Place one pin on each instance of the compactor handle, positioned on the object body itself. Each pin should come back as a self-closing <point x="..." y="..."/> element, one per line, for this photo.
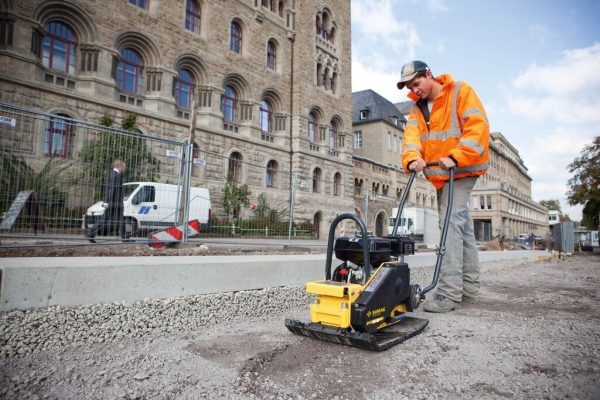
<point x="442" y="249"/>
<point x="365" y="249"/>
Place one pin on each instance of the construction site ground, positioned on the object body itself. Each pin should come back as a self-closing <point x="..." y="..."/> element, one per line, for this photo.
<point x="534" y="333"/>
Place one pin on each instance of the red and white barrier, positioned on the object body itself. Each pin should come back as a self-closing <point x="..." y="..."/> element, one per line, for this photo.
<point x="173" y="234"/>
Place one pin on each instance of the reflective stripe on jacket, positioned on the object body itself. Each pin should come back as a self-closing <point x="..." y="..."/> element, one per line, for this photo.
<point x="458" y="127"/>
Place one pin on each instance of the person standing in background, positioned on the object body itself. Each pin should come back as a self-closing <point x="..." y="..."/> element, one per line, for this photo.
<point x="112" y="203"/>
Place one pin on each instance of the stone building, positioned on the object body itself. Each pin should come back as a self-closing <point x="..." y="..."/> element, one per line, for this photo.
<point x="501" y="202"/>
<point x="270" y="81"/>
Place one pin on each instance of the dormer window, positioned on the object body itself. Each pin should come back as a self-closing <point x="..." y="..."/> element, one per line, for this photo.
<point x="364" y="114"/>
<point x="394" y="119"/>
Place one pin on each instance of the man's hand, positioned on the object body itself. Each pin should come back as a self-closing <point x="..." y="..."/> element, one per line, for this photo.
<point x="446" y="163"/>
<point x="417" y="165"/>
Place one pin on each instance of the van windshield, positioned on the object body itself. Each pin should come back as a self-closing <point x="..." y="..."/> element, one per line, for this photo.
<point x="128" y="189"/>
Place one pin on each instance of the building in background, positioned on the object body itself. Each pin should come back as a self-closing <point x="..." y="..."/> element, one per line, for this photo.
<point x="270" y="79"/>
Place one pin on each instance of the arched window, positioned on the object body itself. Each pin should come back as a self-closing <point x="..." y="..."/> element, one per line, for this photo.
<point x="316" y="180"/>
<point x="60" y="44"/>
<point x="319" y="74"/>
<point x="266" y="117"/>
<point x="192" y="16"/>
<point x="337" y="184"/>
<point x="59" y="137"/>
<point x="235" y="41"/>
<point x="271" y="55"/>
<point x="184" y="88"/>
<point x="332" y="140"/>
<point x="235" y="167"/>
<point x="312" y="126"/>
<point x="229" y="104"/>
<point x="129" y="72"/>
<point x="272" y="168"/>
<point x="334" y="79"/>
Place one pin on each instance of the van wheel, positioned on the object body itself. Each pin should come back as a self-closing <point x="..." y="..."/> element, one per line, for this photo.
<point x="130" y="226"/>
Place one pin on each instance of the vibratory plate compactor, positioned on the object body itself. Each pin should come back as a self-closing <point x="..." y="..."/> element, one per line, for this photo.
<point x="365" y="301"/>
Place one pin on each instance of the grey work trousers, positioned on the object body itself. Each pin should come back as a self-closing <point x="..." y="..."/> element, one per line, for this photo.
<point x="459" y="273"/>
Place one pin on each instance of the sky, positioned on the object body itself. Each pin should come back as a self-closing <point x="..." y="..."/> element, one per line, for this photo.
<point x="535" y="65"/>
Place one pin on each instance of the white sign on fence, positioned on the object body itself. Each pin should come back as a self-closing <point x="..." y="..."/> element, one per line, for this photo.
<point x="198" y="161"/>
<point x="8" y="121"/>
<point x="172" y="154"/>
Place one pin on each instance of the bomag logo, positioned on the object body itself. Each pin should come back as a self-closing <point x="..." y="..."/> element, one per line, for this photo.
<point x="375" y="312"/>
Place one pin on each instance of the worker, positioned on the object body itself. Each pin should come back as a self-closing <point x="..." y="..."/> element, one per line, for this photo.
<point x="448" y="125"/>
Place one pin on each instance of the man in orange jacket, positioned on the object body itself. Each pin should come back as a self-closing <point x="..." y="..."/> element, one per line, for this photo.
<point x="448" y="125"/>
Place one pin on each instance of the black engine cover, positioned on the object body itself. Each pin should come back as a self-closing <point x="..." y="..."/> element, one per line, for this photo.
<point x="389" y="288"/>
<point x="351" y="249"/>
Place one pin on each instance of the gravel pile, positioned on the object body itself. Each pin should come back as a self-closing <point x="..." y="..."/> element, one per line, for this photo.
<point x="26" y="332"/>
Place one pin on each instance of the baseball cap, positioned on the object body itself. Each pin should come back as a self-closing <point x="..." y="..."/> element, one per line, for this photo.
<point x="410" y="70"/>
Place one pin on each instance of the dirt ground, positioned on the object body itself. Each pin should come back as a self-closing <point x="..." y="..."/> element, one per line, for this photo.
<point x="118" y="249"/>
<point x="533" y="334"/>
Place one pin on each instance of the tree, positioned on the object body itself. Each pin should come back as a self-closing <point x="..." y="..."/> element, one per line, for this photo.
<point x="234" y="197"/>
<point x="551" y="205"/>
<point x="98" y="154"/>
<point x="584" y="186"/>
<point x="50" y="185"/>
<point x="264" y="212"/>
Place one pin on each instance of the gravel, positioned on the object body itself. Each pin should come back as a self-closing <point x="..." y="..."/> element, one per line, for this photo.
<point x="534" y="333"/>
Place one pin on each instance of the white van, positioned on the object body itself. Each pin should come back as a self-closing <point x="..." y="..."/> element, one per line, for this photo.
<point x="151" y="205"/>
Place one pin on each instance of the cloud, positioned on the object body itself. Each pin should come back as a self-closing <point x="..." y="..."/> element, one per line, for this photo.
<point x="371" y="77"/>
<point x="377" y="33"/>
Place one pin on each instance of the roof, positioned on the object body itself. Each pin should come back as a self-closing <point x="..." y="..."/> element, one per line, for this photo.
<point x="404" y="107"/>
<point x="378" y="107"/>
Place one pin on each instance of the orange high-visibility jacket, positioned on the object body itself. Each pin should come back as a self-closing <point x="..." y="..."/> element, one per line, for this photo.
<point x="458" y="127"/>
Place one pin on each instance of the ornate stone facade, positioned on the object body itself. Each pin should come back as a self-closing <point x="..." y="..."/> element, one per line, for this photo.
<point x="294" y="56"/>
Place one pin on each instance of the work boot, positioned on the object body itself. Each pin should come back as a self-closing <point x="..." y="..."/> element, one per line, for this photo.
<point x="469" y="299"/>
<point x="439" y="304"/>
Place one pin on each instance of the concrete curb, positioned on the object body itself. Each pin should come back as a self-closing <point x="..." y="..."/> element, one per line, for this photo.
<point x="42" y="282"/>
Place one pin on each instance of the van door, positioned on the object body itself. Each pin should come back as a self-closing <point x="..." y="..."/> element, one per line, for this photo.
<point x="144" y="206"/>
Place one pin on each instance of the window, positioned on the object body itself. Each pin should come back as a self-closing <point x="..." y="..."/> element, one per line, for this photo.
<point x="280" y="8"/>
<point x="394" y="119"/>
<point x="184" y="88"/>
<point x="60" y="44"/>
<point x="59" y="137"/>
<point x="312" y="126"/>
<point x="337" y="184"/>
<point x="266" y="116"/>
<point x="271" y="55"/>
<point x="333" y="135"/>
<point x="229" y="104"/>
<point x="390" y="141"/>
<point x="475" y="202"/>
<point x="364" y="114"/>
<point x="358" y="140"/>
<point x="481" y="202"/>
<point x="146" y="194"/>
<point x="140" y="3"/>
<point x="235" y="167"/>
<point x="316" y="180"/>
<point x="334" y="79"/>
<point x="489" y="201"/>
<point x="235" y="41"/>
<point x="192" y="16"/>
<point x="319" y="74"/>
<point x="129" y="72"/>
<point x="271" y="173"/>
